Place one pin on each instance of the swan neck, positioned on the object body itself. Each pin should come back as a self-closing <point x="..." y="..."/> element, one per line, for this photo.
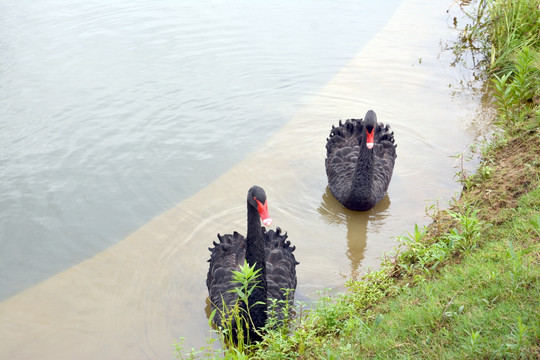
<point x="255" y="254"/>
<point x="255" y="240"/>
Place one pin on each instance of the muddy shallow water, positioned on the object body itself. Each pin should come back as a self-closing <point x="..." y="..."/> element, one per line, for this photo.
<point x="134" y="298"/>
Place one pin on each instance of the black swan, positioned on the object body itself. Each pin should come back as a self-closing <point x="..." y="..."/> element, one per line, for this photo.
<point x="360" y="156"/>
<point x="270" y="251"/>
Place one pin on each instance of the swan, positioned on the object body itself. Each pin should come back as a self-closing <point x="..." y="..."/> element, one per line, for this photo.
<point x="270" y="251"/>
<point x="360" y="156"/>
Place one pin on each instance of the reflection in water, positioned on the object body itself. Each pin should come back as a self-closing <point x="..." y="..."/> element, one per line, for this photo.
<point x="208" y="312"/>
<point x="356" y="222"/>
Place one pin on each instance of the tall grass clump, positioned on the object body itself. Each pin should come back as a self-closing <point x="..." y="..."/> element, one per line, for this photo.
<point x="516" y="92"/>
<point x="499" y="29"/>
<point x="511" y="25"/>
<point x="505" y="34"/>
<point x="233" y="332"/>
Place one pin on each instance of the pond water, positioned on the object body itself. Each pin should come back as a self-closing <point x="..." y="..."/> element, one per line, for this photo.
<point x="130" y="133"/>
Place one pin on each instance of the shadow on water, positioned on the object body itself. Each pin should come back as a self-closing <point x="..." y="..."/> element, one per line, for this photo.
<point x="357" y="223"/>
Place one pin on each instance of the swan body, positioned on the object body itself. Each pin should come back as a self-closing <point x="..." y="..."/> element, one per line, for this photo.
<point x="360" y="156"/>
<point x="270" y="251"/>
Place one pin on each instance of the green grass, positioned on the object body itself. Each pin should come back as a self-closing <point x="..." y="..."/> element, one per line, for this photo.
<point x="499" y="29"/>
<point x="515" y="91"/>
<point x="484" y="306"/>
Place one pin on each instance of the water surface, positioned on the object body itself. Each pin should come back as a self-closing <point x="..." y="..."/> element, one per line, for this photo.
<point x="114" y="112"/>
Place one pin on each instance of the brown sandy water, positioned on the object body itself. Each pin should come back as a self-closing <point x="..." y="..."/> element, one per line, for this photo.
<point x="135" y="298"/>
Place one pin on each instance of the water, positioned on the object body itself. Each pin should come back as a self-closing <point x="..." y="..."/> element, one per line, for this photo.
<point x="115" y="114"/>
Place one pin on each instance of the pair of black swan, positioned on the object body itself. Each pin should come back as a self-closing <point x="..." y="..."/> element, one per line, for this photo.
<point x="359" y="165"/>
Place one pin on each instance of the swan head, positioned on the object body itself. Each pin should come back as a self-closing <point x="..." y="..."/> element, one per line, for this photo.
<point x="257" y="199"/>
<point x="370" y="123"/>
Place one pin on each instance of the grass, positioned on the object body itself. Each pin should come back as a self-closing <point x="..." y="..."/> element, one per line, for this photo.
<point x="498" y="30"/>
<point x="467" y="285"/>
<point x="515" y="91"/>
<point x="483" y="305"/>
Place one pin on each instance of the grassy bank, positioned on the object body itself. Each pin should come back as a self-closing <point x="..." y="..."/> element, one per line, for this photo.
<point x="466" y="286"/>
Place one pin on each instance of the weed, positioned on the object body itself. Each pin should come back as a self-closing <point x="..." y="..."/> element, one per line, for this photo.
<point x="452" y="311"/>
<point x="515" y="89"/>
<point x="516" y="337"/>
<point x="206" y="351"/>
<point x="535" y="223"/>
<point x="505" y="99"/>
<point x="471" y="229"/>
<point x="414" y="248"/>
<point x="426" y="257"/>
<point x="233" y="333"/>
<point x="471" y="343"/>
<point x="236" y="319"/>
<point x="518" y="270"/>
<point x="499" y="29"/>
<point x="463" y="175"/>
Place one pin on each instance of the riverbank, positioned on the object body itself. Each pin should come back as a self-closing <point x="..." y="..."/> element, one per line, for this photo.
<point x="466" y="286"/>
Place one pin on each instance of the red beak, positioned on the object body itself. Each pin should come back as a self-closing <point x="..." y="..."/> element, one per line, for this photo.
<point x="263" y="212"/>
<point x="369" y="140"/>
